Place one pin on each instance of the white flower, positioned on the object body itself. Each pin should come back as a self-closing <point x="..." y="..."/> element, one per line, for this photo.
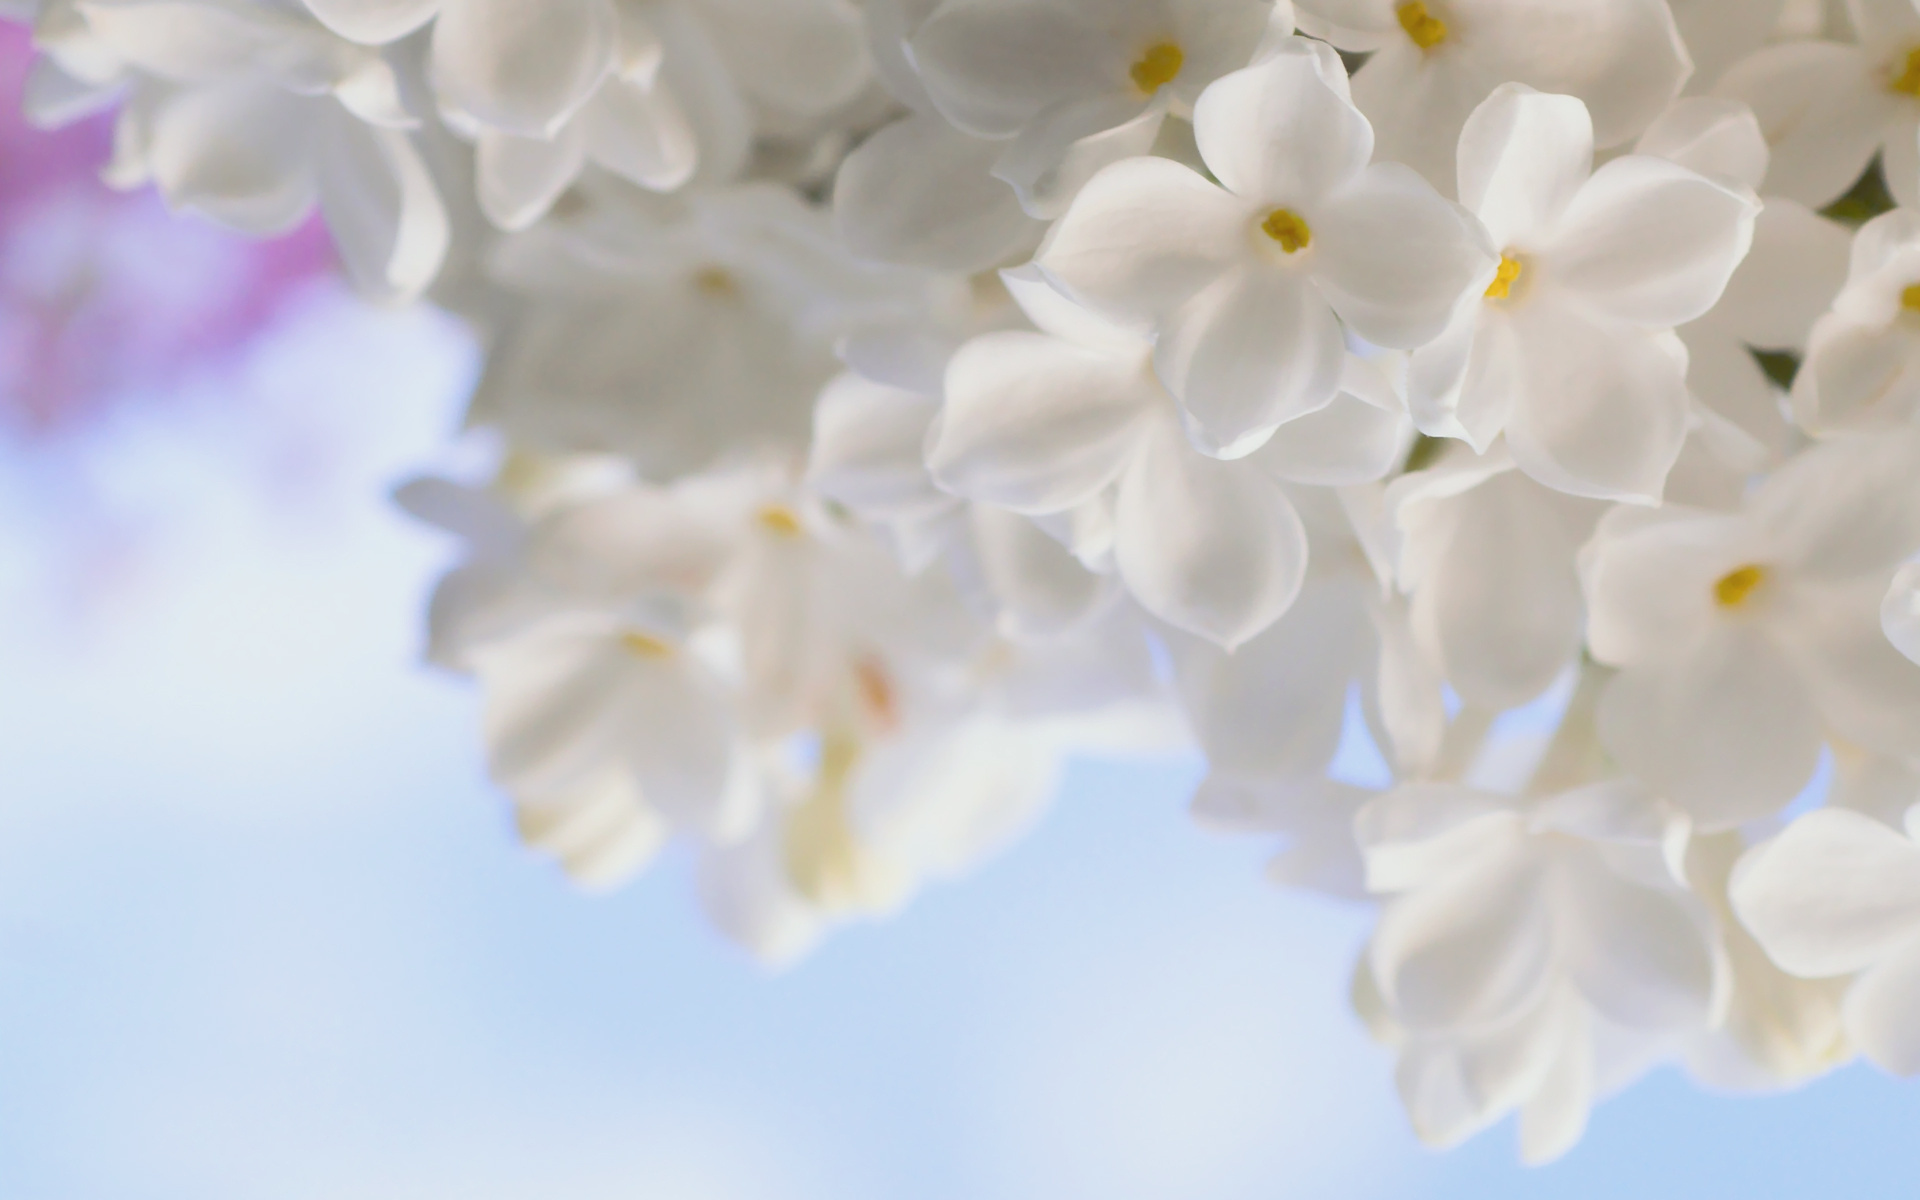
<point x="1862" y="371"/>
<point x="919" y="191"/>
<point x="1778" y="1029"/>
<point x="868" y="454"/>
<point x="1433" y="61"/>
<point x="1743" y="637"/>
<point x="1076" y="84"/>
<point x="252" y="115"/>
<point x="1789" y="277"/>
<point x="1247" y="286"/>
<point x="1828" y="107"/>
<point x="1043" y="423"/>
<point x="647" y="89"/>
<point x="581" y="701"/>
<point x="672" y="330"/>
<point x="1487" y="557"/>
<point x="1570" y="352"/>
<point x="1514" y="930"/>
<point x="1839" y="893"/>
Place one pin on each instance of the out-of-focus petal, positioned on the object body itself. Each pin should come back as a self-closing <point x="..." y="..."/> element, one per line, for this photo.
<point x="1035" y="424"/>
<point x="1726" y="731"/>
<point x="1213" y="548"/>
<point x="1835" y="892"/>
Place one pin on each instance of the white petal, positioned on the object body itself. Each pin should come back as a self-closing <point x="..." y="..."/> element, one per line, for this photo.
<point x="1881" y="24"/>
<point x="803" y="57"/>
<point x="1857" y="378"/>
<point x="522" y="66"/>
<point x="1053" y="313"/>
<point x="676" y="727"/>
<point x="1868" y="692"/>
<point x="1068" y="144"/>
<point x="1273" y="709"/>
<point x="1501" y="610"/>
<point x="1642" y="957"/>
<point x="518" y="179"/>
<point x="1258" y="348"/>
<point x="1523" y="158"/>
<point x="992" y="66"/>
<point x="1042" y="589"/>
<point x="1881" y="1013"/>
<point x="601" y="834"/>
<point x="236" y="153"/>
<point x="1725" y="730"/>
<point x="1649" y="580"/>
<point x="1717" y="136"/>
<point x="382" y="207"/>
<point x="1844" y="509"/>
<point x="1650" y="242"/>
<point x="373" y="22"/>
<point x="1143" y="236"/>
<point x="1554" y="1117"/>
<point x="921" y="193"/>
<point x="1821" y="110"/>
<point x="1035" y="424"/>
<point x="1355" y="439"/>
<point x="1394" y="259"/>
<point x="867" y="450"/>
<point x="1603" y="412"/>
<point x="1418" y="103"/>
<point x="1472" y="949"/>
<point x="1834" y="893"/>
<point x="1277" y="134"/>
<point x="1213" y="548"/>
<point x="639" y="133"/>
<point x="1626" y="61"/>
<point x="1794" y="270"/>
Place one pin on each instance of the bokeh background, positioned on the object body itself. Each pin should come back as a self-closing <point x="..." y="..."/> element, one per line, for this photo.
<point x="265" y="934"/>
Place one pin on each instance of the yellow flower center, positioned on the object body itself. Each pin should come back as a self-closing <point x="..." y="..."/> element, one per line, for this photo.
<point x="1426" y="30"/>
<point x="642" y="645"/>
<point x="1157" y="67"/>
<point x="781" y="520"/>
<point x="1733" y="588"/>
<point x="1504" y="278"/>
<point x="824" y="857"/>
<point x="1908" y="80"/>
<point x="717" y="282"/>
<point x="1910" y="298"/>
<point x="1288" y="229"/>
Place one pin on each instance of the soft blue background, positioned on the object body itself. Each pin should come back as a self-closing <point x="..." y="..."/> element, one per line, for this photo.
<point x="264" y="933"/>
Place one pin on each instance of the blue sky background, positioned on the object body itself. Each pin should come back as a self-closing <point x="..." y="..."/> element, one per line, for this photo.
<point x="264" y="933"/>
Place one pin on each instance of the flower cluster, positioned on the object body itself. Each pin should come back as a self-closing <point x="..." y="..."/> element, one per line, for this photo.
<point x="897" y="397"/>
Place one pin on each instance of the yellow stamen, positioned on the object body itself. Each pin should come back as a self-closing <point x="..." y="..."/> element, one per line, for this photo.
<point x="1908" y="80"/>
<point x="778" y="518"/>
<point x="1157" y="67"/>
<point x="1288" y="229"/>
<point x="1426" y="30"/>
<point x="717" y="282"/>
<point x="1733" y="588"/>
<point x="1910" y="298"/>
<point x="824" y="857"/>
<point x="1504" y="278"/>
<point x="642" y="645"/>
